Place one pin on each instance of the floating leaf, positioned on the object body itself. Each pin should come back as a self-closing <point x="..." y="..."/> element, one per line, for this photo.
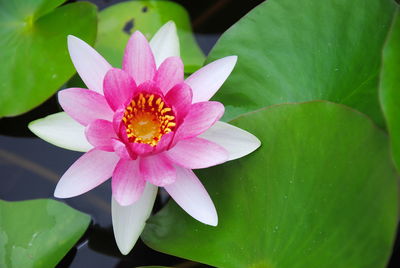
<point x="38" y="233"/>
<point x="320" y="192"/>
<point x="118" y="22"/>
<point x="293" y="51"/>
<point x="390" y="88"/>
<point x="33" y="49"/>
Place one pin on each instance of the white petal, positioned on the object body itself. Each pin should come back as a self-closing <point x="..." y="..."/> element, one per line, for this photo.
<point x="236" y="141"/>
<point x="89" y="64"/>
<point x="189" y="193"/>
<point x="61" y="130"/>
<point x="165" y="43"/>
<point x="206" y="81"/>
<point x="129" y="221"/>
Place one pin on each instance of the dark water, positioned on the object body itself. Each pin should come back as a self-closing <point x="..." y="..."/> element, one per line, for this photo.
<point x="30" y="167"/>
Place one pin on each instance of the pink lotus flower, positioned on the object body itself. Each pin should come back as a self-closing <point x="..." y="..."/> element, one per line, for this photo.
<point x="146" y="127"/>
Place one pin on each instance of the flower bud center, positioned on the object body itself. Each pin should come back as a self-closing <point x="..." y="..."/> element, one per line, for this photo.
<point x="147" y="119"/>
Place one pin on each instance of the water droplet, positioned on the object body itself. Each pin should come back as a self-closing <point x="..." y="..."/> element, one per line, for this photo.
<point x="32" y="239"/>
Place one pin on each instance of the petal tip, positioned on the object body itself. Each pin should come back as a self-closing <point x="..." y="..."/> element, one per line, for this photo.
<point x="170" y="22"/>
<point x="124" y="251"/>
<point x="124" y="247"/>
<point x="232" y="59"/>
<point x="137" y="34"/>
<point x="171" y="25"/>
<point x="72" y="41"/>
<point x="32" y="126"/>
<point x="257" y="142"/>
<point x="70" y="38"/>
<point x="63" y="192"/>
<point x="59" y="94"/>
<point x="60" y="194"/>
<point x="213" y="222"/>
<point x="211" y="219"/>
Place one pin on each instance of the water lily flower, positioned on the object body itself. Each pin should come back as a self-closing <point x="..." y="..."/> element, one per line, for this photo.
<point x="146" y="127"/>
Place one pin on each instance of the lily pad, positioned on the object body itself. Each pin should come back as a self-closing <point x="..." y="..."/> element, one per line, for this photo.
<point x="390" y="88"/>
<point x="118" y="22"/>
<point x="38" y="233"/>
<point x="33" y="49"/>
<point x="294" y="51"/>
<point x="321" y="191"/>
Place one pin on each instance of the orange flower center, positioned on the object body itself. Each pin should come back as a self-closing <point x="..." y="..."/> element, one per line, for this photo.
<point x="147" y="119"/>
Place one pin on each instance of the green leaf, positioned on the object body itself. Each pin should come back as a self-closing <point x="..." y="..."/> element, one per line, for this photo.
<point x="38" y="233"/>
<point x="390" y="88"/>
<point x="294" y="51"/>
<point x="33" y="49"/>
<point x="118" y="22"/>
<point x="320" y="192"/>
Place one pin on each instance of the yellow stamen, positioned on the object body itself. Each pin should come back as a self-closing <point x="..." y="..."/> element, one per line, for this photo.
<point x="146" y="121"/>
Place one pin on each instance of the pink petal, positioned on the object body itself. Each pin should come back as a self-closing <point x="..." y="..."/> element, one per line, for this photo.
<point x="201" y="116"/>
<point x="190" y="194"/>
<point x="157" y="170"/>
<point x="119" y="88"/>
<point x="127" y="183"/>
<point x="89" y="171"/>
<point x="206" y="81"/>
<point x="90" y="65"/>
<point x="143" y="149"/>
<point x="121" y="150"/>
<point x="164" y="143"/>
<point x="84" y="105"/>
<point x="169" y="74"/>
<point x="180" y="98"/>
<point x="138" y="59"/>
<point x="117" y="120"/>
<point x="197" y="153"/>
<point x="150" y="87"/>
<point x="100" y="134"/>
<point x="140" y="149"/>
